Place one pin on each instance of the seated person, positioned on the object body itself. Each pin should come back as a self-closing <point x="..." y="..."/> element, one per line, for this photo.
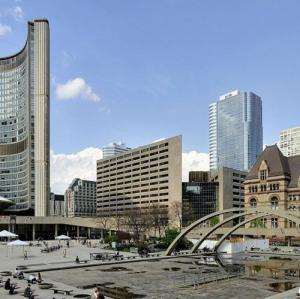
<point x="32" y="278"/>
<point x="18" y="274"/>
<point x="12" y="289"/>
<point x="28" y="292"/>
<point x="7" y="284"/>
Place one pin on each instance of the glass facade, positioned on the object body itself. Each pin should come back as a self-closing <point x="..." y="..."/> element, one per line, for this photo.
<point x="235" y="131"/>
<point x="18" y="76"/>
<point x="198" y="200"/>
<point x="113" y="149"/>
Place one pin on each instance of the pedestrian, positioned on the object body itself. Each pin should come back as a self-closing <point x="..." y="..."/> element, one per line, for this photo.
<point x="39" y="279"/>
<point x="65" y="252"/>
<point x="77" y="260"/>
<point x="25" y="255"/>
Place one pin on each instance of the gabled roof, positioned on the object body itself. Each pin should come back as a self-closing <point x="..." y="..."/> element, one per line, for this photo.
<point x="277" y="163"/>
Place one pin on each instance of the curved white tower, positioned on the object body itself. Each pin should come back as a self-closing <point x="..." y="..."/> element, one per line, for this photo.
<point x="24" y="123"/>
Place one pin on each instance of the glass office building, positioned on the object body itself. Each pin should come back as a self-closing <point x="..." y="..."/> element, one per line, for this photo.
<point x="113" y="149"/>
<point x="235" y="131"/>
<point x="198" y="200"/>
<point x="24" y="123"/>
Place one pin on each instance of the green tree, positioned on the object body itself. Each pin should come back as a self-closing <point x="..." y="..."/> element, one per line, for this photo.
<point x="171" y="234"/>
<point x="214" y="220"/>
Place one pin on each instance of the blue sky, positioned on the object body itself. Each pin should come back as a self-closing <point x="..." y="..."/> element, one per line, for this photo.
<point x="157" y="65"/>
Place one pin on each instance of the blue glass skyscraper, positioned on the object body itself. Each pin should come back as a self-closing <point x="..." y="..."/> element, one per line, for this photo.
<point x="235" y="130"/>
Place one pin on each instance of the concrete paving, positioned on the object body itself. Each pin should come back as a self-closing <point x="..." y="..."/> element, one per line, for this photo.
<point x="172" y="277"/>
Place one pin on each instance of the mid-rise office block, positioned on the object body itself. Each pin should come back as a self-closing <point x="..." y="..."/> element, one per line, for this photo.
<point x="198" y="176"/>
<point x="235" y="131"/>
<point x="24" y="124"/>
<point x="290" y="141"/>
<point x="141" y="177"/>
<point x="113" y="149"/>
<point x="57" y="205"/>
<point x="198" y="200"/>
<point x="80" y="199"/>
<point x="208" y="192"/>
<point x="231" y="188"/>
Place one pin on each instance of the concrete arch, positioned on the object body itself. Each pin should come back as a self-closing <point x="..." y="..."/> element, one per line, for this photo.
<point x="223" y="238"/>
<point x="195" y="224"/>
<point x="282" y="214"/>
<point x="214" y="228"/>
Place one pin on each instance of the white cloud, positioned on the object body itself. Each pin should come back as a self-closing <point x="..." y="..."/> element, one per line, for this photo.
<point x="18" y="13"/>
<point x="66" y="167"/>
<point x="194" y="161"/>
<point x="4" y="29"/>
<point x="76" y="88"/>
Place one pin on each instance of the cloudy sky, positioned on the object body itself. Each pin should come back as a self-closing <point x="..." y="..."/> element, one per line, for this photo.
<point x="138" y="70"/>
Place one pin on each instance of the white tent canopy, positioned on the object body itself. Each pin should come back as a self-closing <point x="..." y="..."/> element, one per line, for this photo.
<point x="62" y="237"/>
<point x="18" y="243"/>
<point x="7" y="234"/>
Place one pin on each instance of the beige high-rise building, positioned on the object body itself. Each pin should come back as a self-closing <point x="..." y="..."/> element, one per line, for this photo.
<point x="24" y="124"/>
<point x="290" y="142"/>
<point x="141" y="177"/>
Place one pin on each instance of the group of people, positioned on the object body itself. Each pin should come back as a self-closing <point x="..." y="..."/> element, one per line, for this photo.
<point x="28" y="293"/>
<point x="11" y="287"/>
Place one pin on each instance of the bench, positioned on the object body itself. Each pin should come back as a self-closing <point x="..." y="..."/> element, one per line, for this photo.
<point x="66" y="292"/>
<point x="82" y="262"/>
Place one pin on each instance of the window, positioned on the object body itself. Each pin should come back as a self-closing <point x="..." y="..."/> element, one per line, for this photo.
<point x="263" y="175"/>
<point x="253" y="203"/>
<point x="274" y="203"/>
<point x="274" y="222"/>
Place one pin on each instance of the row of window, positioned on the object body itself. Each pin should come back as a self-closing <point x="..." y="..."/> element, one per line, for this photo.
<point x="263" y="188"/>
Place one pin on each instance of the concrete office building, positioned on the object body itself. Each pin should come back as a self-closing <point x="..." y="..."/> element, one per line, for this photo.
<point x="208" y="192"/>
<point x="231" y="188"/>
<point x="80" y="199"/>
<point x="290" y="142"/>
<point x="24" y="124"/>
<point x="235" y="130"/>
<point x="57" y="205"/>
<point x="198" y="176"/>
<point x="113" y="149"/>
<point x="141" y="177"/>
<point x="274" y="183"/>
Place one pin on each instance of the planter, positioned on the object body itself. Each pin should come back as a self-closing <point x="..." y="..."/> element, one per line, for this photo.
<point x="45" y="285"/>
<point x="82" y="296"/>
<point x="5" y="273"/>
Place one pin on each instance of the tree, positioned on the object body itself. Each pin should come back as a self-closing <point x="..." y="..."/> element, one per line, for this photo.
<point x="158" y="218"/>
<point x="170" y="236"/>
<point x="176" y="214"/>
<point x="105" y="224"/>
<point x="214" y="220"/>
<point x="118" y="220"/>
<point x="137" y="222"/>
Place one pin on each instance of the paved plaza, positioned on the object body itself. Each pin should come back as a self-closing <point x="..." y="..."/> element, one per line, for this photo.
<point x="174" y="277"/>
